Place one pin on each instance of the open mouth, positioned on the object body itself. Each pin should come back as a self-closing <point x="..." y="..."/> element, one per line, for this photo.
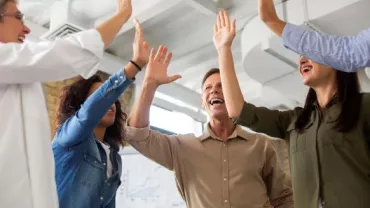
<point x="110" y="110"/>
<point x="21" y="38"/>
<point x="306" y="69"/>
<point x="216" y="101"/>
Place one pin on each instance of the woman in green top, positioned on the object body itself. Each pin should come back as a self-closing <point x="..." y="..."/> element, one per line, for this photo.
<point x="328" y="138"/>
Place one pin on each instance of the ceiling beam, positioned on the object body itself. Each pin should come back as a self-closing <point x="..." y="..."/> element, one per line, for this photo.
<point x="160" y="7"/>
<point x="273" y="47"/>
<point x="207" y="7"/>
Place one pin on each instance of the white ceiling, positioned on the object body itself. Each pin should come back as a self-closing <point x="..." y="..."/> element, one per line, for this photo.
<point x="185" y="26"/>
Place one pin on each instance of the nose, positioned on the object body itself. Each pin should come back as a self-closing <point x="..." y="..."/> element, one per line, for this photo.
<point x="26" y="29"/>
<point x="214" y="90"/>
<point x="302" y="60"/>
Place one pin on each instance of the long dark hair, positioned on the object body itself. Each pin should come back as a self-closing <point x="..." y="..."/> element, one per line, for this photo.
<point x="74" y="95"/>
<point x="348" y="96"/>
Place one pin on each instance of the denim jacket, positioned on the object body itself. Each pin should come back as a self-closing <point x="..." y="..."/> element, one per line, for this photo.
<point x="80" y="160"/>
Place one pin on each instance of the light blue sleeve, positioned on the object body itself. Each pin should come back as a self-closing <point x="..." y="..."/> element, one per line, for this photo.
<point x="344" y="53"/>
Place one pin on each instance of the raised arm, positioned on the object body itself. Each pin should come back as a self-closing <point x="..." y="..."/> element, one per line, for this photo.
<point x="80" y="126"/>
<point x="273" y="123"/>
<point x="156" y="75"/>
<point x="109" y="29"/>
<point x="224" y="34"/>
<point x="62" y="58"/>
<point x="344" y="53"/>
<point x="154" y="145"/>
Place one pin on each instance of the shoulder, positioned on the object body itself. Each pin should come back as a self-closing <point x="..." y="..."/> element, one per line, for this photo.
<point x="183" y="139"/>
<point x="257" y="138"/>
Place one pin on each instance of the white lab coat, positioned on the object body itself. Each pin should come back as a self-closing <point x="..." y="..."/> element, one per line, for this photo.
<point x="26" y="160"/>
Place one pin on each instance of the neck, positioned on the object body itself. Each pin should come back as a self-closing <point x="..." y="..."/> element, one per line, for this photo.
<point x="222" y="128"/>
<point x="99" y="133"/>
<point x="325" y="93"/>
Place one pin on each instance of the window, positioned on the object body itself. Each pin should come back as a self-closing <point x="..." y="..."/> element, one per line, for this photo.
<point x="175" y="122"/>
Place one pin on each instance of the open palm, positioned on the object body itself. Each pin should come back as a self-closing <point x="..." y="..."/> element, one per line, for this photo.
<point x="158" y="66"/>
<point x="140" y="46"/>
<point x="224" y="31"/>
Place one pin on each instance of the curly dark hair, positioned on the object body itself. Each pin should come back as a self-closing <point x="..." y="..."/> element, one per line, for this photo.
<point x="74" y="95"/>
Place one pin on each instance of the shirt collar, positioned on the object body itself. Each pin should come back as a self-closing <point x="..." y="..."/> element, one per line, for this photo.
<point x="110" y="142"/>
<point x="208" y="133"/>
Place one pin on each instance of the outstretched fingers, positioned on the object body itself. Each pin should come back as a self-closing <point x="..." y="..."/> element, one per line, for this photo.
<point x="152" y="55"/>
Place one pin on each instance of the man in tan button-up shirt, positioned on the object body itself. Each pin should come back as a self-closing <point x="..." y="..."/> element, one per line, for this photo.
<point x="226" y="167"/>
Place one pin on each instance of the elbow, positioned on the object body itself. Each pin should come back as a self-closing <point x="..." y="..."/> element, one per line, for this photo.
<point x="234" y="111"/>
<point x="233" y="115"/>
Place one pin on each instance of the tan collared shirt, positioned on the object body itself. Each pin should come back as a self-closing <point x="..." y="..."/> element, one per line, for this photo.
<point x="240" y="172"/>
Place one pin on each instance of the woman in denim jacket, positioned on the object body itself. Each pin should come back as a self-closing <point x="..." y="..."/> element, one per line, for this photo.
<point x="90" y="130"/>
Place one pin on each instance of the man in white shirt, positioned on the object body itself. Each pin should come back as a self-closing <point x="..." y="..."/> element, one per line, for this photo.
<point x="26" y="161"/>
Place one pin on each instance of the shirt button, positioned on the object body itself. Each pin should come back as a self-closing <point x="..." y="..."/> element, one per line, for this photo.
<point x="224" y="160"/>
<point x="121" y="77"/>
<point x="225" y="179"/>
<point x="104" y="164"/>
<point x="116" y="81"/>
<point x="101" y="198"/>
<point x="225" y="200"/>
<point x="224" y="145"/>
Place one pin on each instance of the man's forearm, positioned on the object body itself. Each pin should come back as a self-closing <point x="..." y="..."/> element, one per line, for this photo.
<point x="109" y="29"/>
<point x="233" y="96"/>
<point x="140" y="113"/>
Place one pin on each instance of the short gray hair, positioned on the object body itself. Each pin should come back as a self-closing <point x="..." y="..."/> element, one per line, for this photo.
<point x="3" y="6"/>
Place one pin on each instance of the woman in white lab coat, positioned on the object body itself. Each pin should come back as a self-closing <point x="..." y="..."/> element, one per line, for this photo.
<point x="26" y="162"/>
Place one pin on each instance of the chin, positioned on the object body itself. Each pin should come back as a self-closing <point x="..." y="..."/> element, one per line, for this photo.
<point x="306" y="82"/>
<point x="107" y="122"/>
<point x="219" y="115"/>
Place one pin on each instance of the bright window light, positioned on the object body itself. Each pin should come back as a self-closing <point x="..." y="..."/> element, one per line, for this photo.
<point x="175" y="101"/>
<point x="178" y="123"/>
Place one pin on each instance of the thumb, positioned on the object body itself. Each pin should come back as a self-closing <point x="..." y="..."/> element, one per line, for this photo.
<point x="173" y="78"/>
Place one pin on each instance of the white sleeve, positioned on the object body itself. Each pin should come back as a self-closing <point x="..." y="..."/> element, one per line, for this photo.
<point x="79" y="53"/>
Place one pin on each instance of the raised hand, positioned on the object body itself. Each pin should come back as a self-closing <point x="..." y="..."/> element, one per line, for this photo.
<point x="156" y="71"/>
<point x="124" y="6"/>
<point x="224" y="31"/>
<point x="140" y="47"/>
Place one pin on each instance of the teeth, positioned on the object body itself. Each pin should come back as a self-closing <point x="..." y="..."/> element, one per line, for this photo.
<point x="216" y="100"/>
<point x="307" y="68"/>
